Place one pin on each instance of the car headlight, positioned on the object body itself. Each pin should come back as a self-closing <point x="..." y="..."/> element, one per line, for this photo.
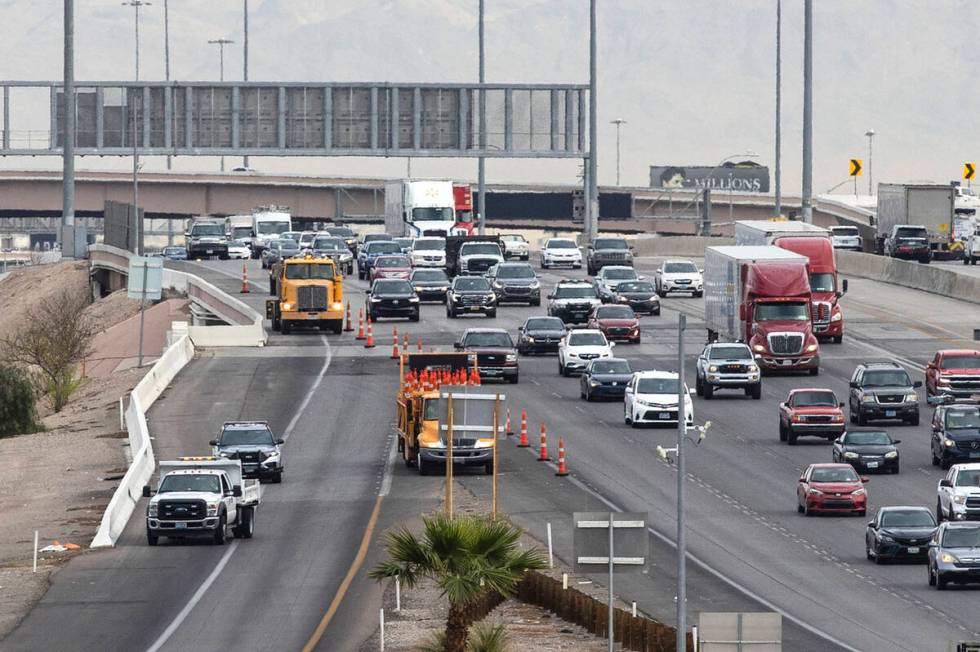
<point x="534" y="285"/>
<point x="890" y="455"/>
<point x="758" y="348"/>
<point x="815" y="492"/>
<point x="859" y="492"/>
<point x="413" y="299"/>
<point x="375" y="300"/>
<point x="837" y="316"/>
<point x="753" y="368"/>
<point x="570" y="354"/>
<point x="851" y="456"/>
<point x="511" y="357"/>
<point x="867" y="398"/>
<point x="811" y="348"/>
<point x="530" y="339"/>
<point x="959" y="500"/>
<point x="949" y="443"/>
<point x="287" y="306"/>
<point x="498" y="285"/>
<point x="271" y="460"/>
<point x="151" y="511"/>
<point x="713" y="368"/>
<point x="593" y="383"/>
<point x="434" y="444"/>
<point x="484" y="443"/>
<point x="949" y="558"/>
<point x="911" y="398"/>
<point x="336" y="305"/>
<point x="213" y="509"/>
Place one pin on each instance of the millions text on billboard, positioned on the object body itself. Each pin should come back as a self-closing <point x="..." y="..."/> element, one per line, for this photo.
<point x="737" y="177"/>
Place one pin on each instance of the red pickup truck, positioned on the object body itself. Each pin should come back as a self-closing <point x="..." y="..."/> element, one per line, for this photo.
<point x="954" y="372"/>
<point x="810" y="413"/>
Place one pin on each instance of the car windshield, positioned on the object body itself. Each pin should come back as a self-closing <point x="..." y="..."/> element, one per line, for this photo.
<point x="501" y="340"/>
<point x="286" y="244"/>
<point x="788" y="311"/>
<point x="611" y="367"/>
<point x="907" y="518"/>
<point x="377" y="237"/>
<point x="472" y="283"/>
<point x="889" y="378"/>
<point x="814" y="399"/>
<point x="638" y="288"/>
<point x="959" y="361"/>
<point x="968" y="478"/>
<point x="170" y="251"/>
<point x="477" y="249"/>
<point x="301" y="271"/>
<point x="306" y="238"/>
<point x="208" y="229"/>
<point x="619" y="273"/>
<point x="657" y="386"/>
<point x="433" y="214"/>
<point x="430" y="275"/>
<point x="203" y="483"/>
<point x="393" y="287"/>
<point x="615" y="312"/>
<point x="246" y="437"/>
<point x="834" y="474"/>
<point x="730" y="353"/>
<point x="680" y="268"/>
<point x="586" y="339"/>
<point x="340" y="231"/>
<point x="328" y="244"/>
<point x="239" y="243"/>
<point x="561" y="244"/>
<point x="963" y="418"/>
<point x="269" y="228"/>
<point x="868" y="439"/>
<point x="822" y="282"/>
<point x="544" y="324"/>
<point x="845" y="230"/>
<point x="384" y="247"/>
<point x="962" y="537"/>
<point x="911" y="233"/>
<point x="515" y="271"/>
<point x="241" y="231"/>
<point x="611" y="243"/>
<point x="512" y="238"/>
<point x="406" y="243"/>
<point x="575" y="292"/>
<point x="429" y="244"/>
<point x="392" y="261"/>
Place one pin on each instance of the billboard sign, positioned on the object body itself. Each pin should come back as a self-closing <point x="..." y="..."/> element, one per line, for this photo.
<point x="737" y="177"/>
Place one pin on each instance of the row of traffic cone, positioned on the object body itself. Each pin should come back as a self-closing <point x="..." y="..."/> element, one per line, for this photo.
<point x="543" y="445"/>
<point x="395" y="351"/>
<point x="430" y="379"/>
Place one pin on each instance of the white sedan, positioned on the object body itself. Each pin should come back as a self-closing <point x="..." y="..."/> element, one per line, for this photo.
<point x="651" y="397"/>
<point x="239" y="249"/>
<point x="579" y="347"/>
<point x="561" y="252"/>
<point x="679" y="276"/>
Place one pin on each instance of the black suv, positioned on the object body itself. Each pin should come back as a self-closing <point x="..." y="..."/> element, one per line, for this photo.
<point x="253" y="443"/>
<point x="883" y="390"/>
<point x="391" y="297"/>
<point x="206" y="239"/>
<point x="573" y="301"/>
<point x="540" y="335"/>
<point x="955" y="434"/>
<point x="470" y="294"/>
<point x="608" y="251"/>
<point x="515" y="282"/>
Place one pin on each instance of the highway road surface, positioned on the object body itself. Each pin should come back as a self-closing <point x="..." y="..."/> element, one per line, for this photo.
<point x="749" y="548"/>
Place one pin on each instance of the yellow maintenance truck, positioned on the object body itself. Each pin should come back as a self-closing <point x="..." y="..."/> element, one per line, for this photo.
<point x="436" y="420"/>
<point x="308" y="292"/>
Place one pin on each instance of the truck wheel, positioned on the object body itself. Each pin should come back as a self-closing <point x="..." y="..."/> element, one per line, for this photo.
<point x="944" y="464"/>
<point x="914" y="421"/>
<point x="513" y="380"/>
<point x="421" y="464"/>
<point x="488" y="468"/>
<point x="838" y="339"/>
<point x="698" y="385"/>
<point x="536" y="302"/>
<point x="414" y="316"/>
<point x="219" y="533"/>
<point x="935" y="460"/>
<point x="790" y="436"/>
<point x="247" y="525"/>
<point x="151" y="539"/>
<point x="815" y="371"/>
<point x="862" y="420"/>
<point x="757" y="392"/>
<point x="492" y="314"/>
<point x="272" y="287"/>
<point x="287" y="326"/>
<point x="939" y="511"/>
<point x="338" y="326"/>
<point x="782" y="431"/>
<point x="277" y="478"/>
<point x="709" y="391"/>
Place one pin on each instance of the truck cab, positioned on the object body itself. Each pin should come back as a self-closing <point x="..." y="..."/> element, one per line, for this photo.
<point x="206" y="239"/>
<point x="825" y="287"/>
<point x="309" y="292"/>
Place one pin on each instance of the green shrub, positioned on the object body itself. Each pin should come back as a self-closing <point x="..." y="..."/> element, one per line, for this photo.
<point x="18" y="414"/>
<point x="484" y="638"/>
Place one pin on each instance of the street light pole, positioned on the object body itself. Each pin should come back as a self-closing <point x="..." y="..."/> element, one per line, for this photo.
<point x="807" y="200"/>
<point x="221" y="43"/>
<point x="166" y="75"/>
<point x="681" y="542"/>
<point x="619" y="122"/>
<point x="779" y="80"/>
<point x="245" y="71"/>
<point x="138" y="223"/>
<point x="481" y="182"/>
<point x="592" y="207"/>
<point x="68" y="146"/>
<point x="870" y="133"/>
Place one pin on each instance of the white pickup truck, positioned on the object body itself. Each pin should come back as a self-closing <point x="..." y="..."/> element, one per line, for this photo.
<point x="201" y="497"/>
<point x="959" y="494"/>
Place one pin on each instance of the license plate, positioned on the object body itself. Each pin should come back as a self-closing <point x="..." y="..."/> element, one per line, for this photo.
<point x="180" y="526"/>
<point x="209" y="251"/>
<point x="490" y="372"/>
<point x="872" y="465"/>
<point x="913" y="551"/>
<point x="890" y="413"/>
<point x="663" y="416"/>
<point x="473" y="308"/>
<point x="312" y="315"/>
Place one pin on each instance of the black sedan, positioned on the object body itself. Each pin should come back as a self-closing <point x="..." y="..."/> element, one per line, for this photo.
<point x="430" y="284"/>
<point x="900" y="533"/>
<point x="392" y="298"/>
<point x="540" y="335"/>
<point x="871" y="450"/>
<point x="605" y="378"/>
<point x="641" y="296"/>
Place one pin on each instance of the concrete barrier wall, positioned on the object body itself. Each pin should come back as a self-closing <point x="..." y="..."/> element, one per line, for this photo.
<point x="141" y="468"/>
<point x="928" y="278"/>
<point x="681" y="245"/>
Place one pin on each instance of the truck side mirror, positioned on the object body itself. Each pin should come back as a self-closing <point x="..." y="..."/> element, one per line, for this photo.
<point x="280" y="442"/>
<point x="213" y="442"/>
<point x="853" y="385"/>
<point x="917" y="384"/>
<point x="457" y="345"/>
<point x="945" y="483"/>
<point x="236" y="491"/>
<point x="841" y="405"/>
<point x="843" y="286"/>
<point x="146" y="491"/>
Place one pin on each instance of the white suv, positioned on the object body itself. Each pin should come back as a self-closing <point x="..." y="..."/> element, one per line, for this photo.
<point x="561" y="252"/>
<point x="959" y="494"/>
<point x="651" y="397"/>
<point x="679" y="276"/>
<point x="579" y="347"/>
<point x="428" y="252"/>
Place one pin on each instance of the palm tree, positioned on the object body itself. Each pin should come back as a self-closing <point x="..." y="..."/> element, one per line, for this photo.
<point x="465" y="555"/>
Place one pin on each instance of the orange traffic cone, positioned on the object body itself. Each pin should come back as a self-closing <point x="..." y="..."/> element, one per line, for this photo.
<point x="394" y="344"/>
<point x="360" y="324"/>
<point x="245" y="289"/>
<point x="543" y="449"/>
<point x="350" y="325"/>
<point x="562" y="469"/>
<point x="508" y="431"/>
<point x="419" y="345"/>
<point x="475" y="377"/>
<point x="523" y="443"/>
<point x="405" y="344"/>
<point x="370" y="336"/>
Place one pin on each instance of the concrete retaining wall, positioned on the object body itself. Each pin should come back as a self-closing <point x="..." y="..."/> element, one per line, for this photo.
<point x="928" y="278"/>
<point x="680" y="245"/>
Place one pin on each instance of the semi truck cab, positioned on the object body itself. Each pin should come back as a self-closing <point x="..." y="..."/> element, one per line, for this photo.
<point x="309" y="292"/>
<point x="825" y="286"/>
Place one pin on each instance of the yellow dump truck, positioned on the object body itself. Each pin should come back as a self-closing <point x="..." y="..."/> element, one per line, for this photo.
<point x="427" y="416"/>
<point x="308" y="292"/>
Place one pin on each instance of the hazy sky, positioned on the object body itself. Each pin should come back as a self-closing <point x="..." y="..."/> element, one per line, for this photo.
<point x="693" y="78"/>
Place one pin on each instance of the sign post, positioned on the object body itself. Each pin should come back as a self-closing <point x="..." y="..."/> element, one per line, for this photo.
<point x="145" y="281"/>
<point x="855" y="168"/>
<point x="969" y="171"/>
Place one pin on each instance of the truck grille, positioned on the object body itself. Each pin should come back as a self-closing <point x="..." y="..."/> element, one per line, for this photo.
<point x="821" y="311"/>
<point x="490" y="359"/>
<point x="973" y="501"/>
<point x="182" y="510"/>
<point x="969" y="445"/>
<point x="610" y="256"/>
<point x="786" y="343"/>
<point x="963" y="383"/>
<point x="733" y="368"/>
<point x="249" y="457"/>
<point x="311" y="298"/>
<point x="472" y="299"/>
<point x="890" y="398"/>
<point x="517" y="289"/>
<point x="588" y="356"/>
<point x="480" y="264"/>
<point x="817" y="418"/>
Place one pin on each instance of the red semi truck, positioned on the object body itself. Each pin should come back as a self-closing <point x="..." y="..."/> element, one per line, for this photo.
<point x="465" y="217"/>
<point x="760" y="295"/>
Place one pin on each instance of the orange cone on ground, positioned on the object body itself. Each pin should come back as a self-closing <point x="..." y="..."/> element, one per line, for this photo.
<point x="405" y="344"/>
<point x="508" y="431"/>
<point x="350" y="325"/>
<point x="475" y="377"/>
<point x="523" y="443"/>
<point x="370" y="336"/>
<point x="394" y="344"/>
<point x="360" y="324"/>
<point x="543" y="449"/>
<point x="245" y="289"/>
<point x="562" y="469"/>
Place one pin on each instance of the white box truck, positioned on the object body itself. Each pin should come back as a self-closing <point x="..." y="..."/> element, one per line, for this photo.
<point x="927" y="205"/>
<point x="764" y="232"/>
<point x="239" y="227"/>
<point x="268" y="224"/>
<point x="416" y="208"/>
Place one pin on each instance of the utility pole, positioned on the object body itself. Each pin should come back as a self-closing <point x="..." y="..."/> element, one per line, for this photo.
<point x="592" y="197"/>
<point x="807" y="111"/>
<point x="619" y="122"/>
<point x="68" y="146"/>
<point x="221" y="43"/>
<point x="870" y="133"/>
<point x="779" y="127"/>
<point x="245" y="71"/>
<point x="681" y="542"/>
<point x="138" y="223"/>
<point x="166" y="75"/>
<point x="481" y="175"/>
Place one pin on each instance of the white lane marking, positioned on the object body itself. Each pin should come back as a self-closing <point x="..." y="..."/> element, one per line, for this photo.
<point x="201" y="590"/>
<point x="386" y="481"/>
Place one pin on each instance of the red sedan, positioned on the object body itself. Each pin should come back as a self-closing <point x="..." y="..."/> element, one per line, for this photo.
<point x="833" y="488"/>
<point x="954" y="372"/>
<point x="398" y="267"/>
<point x="810" y="413"/>
<point x="616" y="323"/>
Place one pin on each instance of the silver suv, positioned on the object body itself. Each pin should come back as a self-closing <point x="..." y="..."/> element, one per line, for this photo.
<point x="728" y="366"/>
